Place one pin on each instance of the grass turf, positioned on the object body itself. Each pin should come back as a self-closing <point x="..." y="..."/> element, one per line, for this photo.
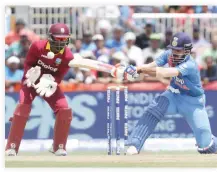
<point x="100" y="159"/>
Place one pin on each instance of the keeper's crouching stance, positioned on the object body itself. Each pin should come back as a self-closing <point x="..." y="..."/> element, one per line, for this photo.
<point x="184" y="95"/>
<point x="45" y="66"/>
<point x="63" y="115"/>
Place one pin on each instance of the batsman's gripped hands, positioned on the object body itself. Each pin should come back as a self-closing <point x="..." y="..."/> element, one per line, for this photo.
<point x="32" y="75"/>
<point x="118" y="71"/>
<point x="124" y="72"/>
<point x="131" y="73"/>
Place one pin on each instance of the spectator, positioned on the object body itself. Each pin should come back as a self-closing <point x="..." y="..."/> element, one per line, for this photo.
<point x="88" y="55"/>
<point x="213" y="9"/>
<point x="172" y="9"/>
<point x="103" y="77"/>
<point x="71" y="75"/>
<point x="193" y="54"/>
<point x="126" y="18"/>
<point x="13" y="74"/>
<point x="133" y="52"/>
<point x="116" y="43"/>
<point x="88" y="77"/>
<point x="154" y="50"/>
<point x="118" y="57"/>
<point x="168" y="37"/>
<point x="13" y="36"/>
<point x="185" y="9"/>
<point x="205" y="9"/>
<point x="19" y="49"/>
<point x="100" y="48"/>
<point x="103" y="27"/>
<point x="77" y="46"/>
<point x="200" y="44"/>
<point x="209" y="73"/>
<point x="212" y="51"/>
<point x="143" y="9"/>
<point x="142" y="40"/>
<point x="87" y="44"/>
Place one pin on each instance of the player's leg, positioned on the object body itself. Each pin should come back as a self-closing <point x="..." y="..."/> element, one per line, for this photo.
<point x="63" y="120"/>
<point x="197" y="118"/>
<point x="18" y="122"/>
<point x="163" y="104"/>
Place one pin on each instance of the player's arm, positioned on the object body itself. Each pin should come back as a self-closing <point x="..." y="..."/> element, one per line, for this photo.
<point x="153" y="70"/>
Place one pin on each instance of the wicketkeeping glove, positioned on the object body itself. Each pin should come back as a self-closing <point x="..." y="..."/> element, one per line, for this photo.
<point x="32" y="75"/>
<point x="47" y="85"/>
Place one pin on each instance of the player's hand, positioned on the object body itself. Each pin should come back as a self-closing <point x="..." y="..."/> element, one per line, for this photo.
<point x="32" y="75"/>
<point x="131" y="73"/>
<point x="47" y="85"/>
<point x="118" y="71"/>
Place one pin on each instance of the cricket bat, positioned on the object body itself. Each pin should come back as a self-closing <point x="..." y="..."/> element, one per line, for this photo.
<point x="92" y="64"/>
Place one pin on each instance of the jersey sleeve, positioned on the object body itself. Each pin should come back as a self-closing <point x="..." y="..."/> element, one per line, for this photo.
<point x="186" y="68"/>
<point x="163" y="58"/>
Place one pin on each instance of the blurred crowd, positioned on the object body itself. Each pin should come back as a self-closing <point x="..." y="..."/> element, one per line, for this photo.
<point x="115" y="44"/>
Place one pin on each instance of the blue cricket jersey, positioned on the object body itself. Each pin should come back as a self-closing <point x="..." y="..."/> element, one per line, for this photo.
<point x="189" y="81"/>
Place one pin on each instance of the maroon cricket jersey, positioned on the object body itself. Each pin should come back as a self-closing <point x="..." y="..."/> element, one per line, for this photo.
<point x="37" y="56"/>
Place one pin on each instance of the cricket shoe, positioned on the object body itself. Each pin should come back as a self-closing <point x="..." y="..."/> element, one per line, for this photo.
<point x="59" y="152"/>
<point x="132" y="150"/>
<point x="10" y="152"/>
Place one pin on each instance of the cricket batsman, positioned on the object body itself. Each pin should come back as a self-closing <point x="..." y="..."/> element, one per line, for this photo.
<point x="45" y="66"/>
<point x="184" y="95"/>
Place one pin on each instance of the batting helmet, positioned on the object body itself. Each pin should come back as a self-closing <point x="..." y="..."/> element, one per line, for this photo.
<point x="180" y="41"/>
<point x="58" y="36"/>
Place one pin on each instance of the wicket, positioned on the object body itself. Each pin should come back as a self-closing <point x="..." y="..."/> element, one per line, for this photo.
<point x="117" y="111"/>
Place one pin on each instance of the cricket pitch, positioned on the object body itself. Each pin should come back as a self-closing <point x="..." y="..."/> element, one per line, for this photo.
<point x="99" y="159"/>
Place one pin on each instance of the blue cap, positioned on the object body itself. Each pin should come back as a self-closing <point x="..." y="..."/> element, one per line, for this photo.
<point x="180" y="41"/>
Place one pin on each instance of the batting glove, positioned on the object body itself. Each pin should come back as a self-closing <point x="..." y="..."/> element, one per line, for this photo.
<point x="131" y="73"/>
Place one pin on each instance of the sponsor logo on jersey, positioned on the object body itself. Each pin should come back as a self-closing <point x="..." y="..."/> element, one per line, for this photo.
<point x="58" y="61"/>
<point x="181" y="83"/>
<point x="47" y="66"/>
<point x="179" y="80"/>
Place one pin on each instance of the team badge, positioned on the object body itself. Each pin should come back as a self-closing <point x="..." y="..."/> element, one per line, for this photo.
<point x="175" y="42"/>
<point x="58" y="61"/>
<point x="13" y="145"/>
<point x="60" y="146"/>
<point x="62" y="30"/>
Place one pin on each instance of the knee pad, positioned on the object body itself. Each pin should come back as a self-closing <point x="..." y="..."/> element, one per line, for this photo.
<point x="22" y="110"/>
<point x="64" y="114"/>
<point x="19" y="120"/>
<point x="146" y="124"/>
<point x="203" y="136"/>
<point x="212" y="148"/>
<point x="62" y="128"/>
<point x="159" y="107"/>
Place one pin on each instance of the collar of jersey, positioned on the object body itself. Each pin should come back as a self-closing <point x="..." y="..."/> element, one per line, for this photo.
<point x="48" y="48"/>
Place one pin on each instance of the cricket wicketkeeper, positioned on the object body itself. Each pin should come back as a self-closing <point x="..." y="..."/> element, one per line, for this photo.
<point x="45" y="66"/>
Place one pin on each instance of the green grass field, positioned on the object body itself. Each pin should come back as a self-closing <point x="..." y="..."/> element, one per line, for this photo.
<point x="99" y="159"/>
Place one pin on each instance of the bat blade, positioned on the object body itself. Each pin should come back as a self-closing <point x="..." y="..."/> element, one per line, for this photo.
<point x="92" y="64"/>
